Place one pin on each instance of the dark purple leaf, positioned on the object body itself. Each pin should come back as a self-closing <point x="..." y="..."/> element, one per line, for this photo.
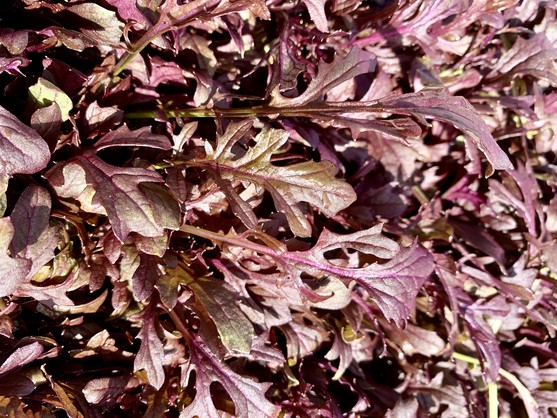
<point x="16" y="385"/>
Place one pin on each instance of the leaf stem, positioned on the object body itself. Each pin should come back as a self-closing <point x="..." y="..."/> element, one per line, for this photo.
<point x="310" y="110"/>
<point x="492" y="400"/>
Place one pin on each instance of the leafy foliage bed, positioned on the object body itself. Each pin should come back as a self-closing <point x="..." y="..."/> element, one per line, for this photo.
<point x="297" y="209"/>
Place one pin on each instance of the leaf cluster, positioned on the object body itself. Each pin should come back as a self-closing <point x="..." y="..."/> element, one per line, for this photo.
<point x="278" y="209"/>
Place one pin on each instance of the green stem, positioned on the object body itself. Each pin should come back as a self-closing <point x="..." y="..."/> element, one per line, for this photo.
<point x="492" y="400"/>
<point x="310" y="110"/>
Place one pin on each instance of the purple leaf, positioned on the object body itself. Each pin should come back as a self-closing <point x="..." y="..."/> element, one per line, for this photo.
<point x="22" y="150"/>
<point x="11" y="65"/>
<point x="128" y="11"/>
<point x="393" y="285"/>
<point x="146" y="276"/>
<point x="151" y="351"/>
<point x="534" y="56"/>
<point x="13" y="271"/>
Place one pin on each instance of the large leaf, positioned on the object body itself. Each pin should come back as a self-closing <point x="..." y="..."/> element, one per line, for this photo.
<point x="392" y="285"/>
<point x="235" y="330"/>
<point x="22" y="150"/>
<point x="309" y="181"/>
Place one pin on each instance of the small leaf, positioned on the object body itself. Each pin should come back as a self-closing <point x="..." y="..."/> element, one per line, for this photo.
<point x="316" y="9"/>
<point x="235" y="330"/>
<point x="45" y="93"/>
<point x="332" y="74"/>
<point x="151" y="351"/>
<point x="22" y="150"/>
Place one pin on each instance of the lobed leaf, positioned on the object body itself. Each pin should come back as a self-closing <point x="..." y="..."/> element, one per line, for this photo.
<point x="248" y="395"/>
<point x="309" y="181"/>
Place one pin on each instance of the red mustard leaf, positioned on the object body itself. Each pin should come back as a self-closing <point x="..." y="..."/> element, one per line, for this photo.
<point x="142" y="137"/>
<point x="534" y="56"/>
<point x="98" y="23"/>
<point x="392" y="285"/>
<point x="106" y="390"/>
<point x="22" y="150"/>
<point x="311" y="182"/>
<point x="21" y="356"/>
<point x="235" y="330"/>
<point x="316" y="9"/>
